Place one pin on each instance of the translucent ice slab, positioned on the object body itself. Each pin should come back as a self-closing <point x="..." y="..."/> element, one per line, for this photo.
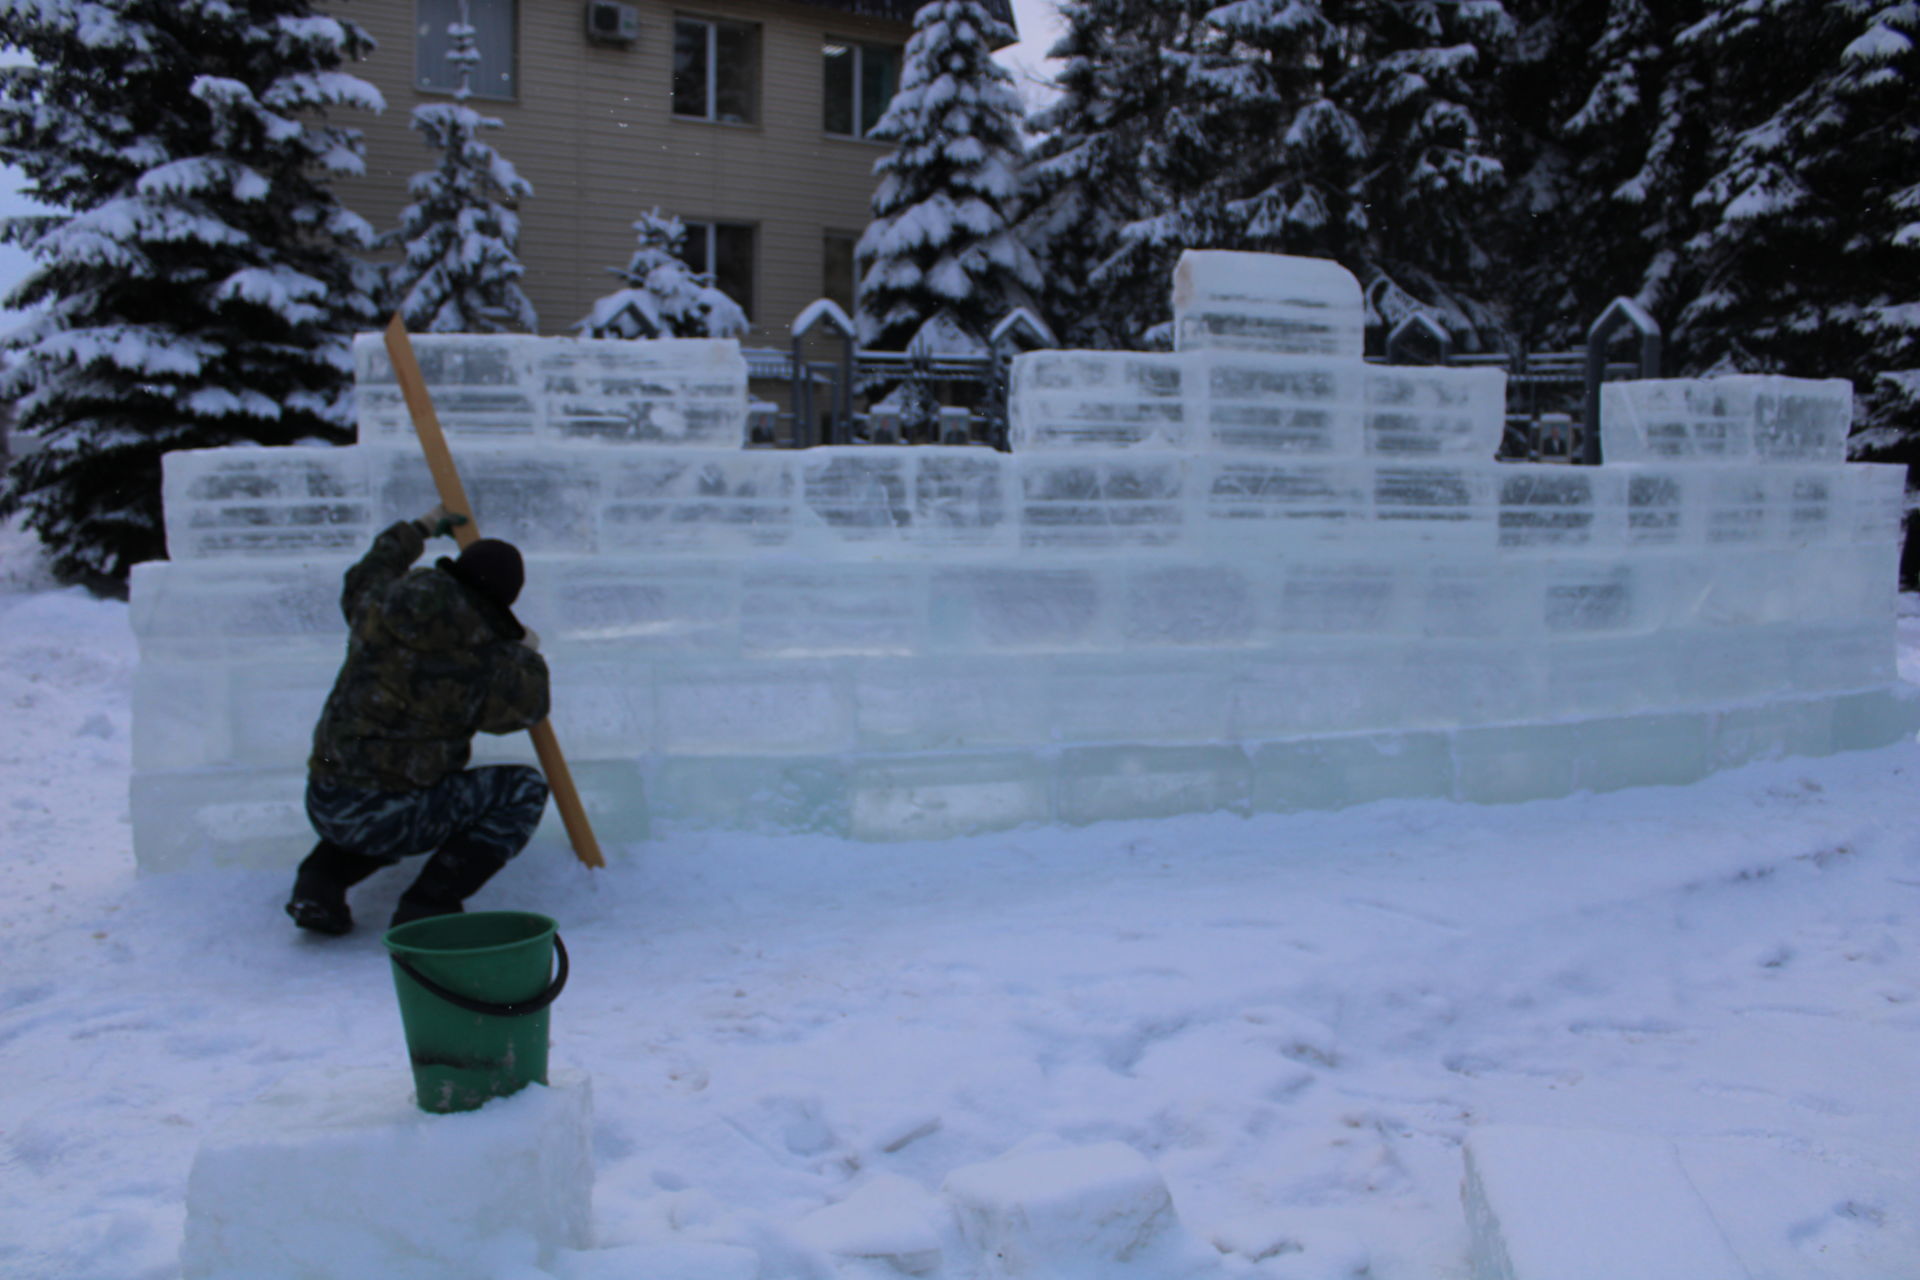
<point x="1778" y="506"/>
<point x="932" y="499"/>
<point x="794" y="609"/>
<point x="1435" y="505"/>
<point x="1253" y="506"/>
<point x="542" y="501"/>
<point x="678" y="391"/>
<point x="211" y="610"/>
<point x="713" y="501"/>
<point x="1546" y="508"/>
<point x="266" y="502"/>
<point x="637" y="609"/>
<point x="681" y="391"/>
<point x="482" y="386"/>
<point x="1108" y="502"/>
<point x="1225" y="300"/>
<point x="1062" y="399"/>
<point x="1748" y="417"/>
<point x="1420" y="411"/>
<point x="1279" y="404"/>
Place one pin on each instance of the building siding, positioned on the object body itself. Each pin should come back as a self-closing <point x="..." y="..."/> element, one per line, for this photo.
<point x="592" y="129"/>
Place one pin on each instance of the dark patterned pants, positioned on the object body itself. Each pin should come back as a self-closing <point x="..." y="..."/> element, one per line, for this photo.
<point x="495" y="807"/>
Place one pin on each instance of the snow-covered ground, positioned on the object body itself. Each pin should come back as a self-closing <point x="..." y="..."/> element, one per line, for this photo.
<point x="1297" y="1019"/>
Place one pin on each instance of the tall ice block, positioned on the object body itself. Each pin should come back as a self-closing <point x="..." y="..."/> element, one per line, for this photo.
<point x="1266" y="302"/>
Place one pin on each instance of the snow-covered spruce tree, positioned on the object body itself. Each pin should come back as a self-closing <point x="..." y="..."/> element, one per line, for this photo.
<point x="1178" y="75"/>
<point x="1419" y="81"/>
<point x="198" y="290"/>
<point x="1081" y="183"/>
<point x="941" y="243"/>
<point x="1812" y="252"/>
<point x="460" y="238"/>
<point x="1297" y="183"/>
<point x="1614" y="120"/>
<point x="661" y="296"/>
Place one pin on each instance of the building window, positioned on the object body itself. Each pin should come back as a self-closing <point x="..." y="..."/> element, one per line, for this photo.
<point x="725" y="249"/>
<point x="837" y="278"/>
<point x="493" y="23"/>
<point x="716" y="70"/>
<point x="860" y="80"/>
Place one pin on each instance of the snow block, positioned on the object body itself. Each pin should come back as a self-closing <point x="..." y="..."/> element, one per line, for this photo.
<point x="890" y="1221"/>
<point x="1071" y="1212"/>
<point x="1551" y="1204"/>
<point x="339" y="1177"/>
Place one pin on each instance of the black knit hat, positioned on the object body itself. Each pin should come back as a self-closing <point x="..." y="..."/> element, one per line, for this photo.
<point x="491" y="566"/>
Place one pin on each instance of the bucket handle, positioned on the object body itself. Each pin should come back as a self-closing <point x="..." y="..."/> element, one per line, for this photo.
<point x="515" y="1009"/>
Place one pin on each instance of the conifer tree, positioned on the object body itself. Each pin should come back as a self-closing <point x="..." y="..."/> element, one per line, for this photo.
<point x="1082" y="183"/>
<point x="1633" y="142"/>
<point x="461" y="270"/>
<point x="1180" y="75"/>
<point x="1812" y="250"/>
<point x="1419" y="80"/>
<point x="661" y="296"/>
<point x="941" y="245"/>
<point x="197" y="290"/>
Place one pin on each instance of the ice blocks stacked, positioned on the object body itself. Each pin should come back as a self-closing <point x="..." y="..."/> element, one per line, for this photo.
<point x="1255" y="573"/>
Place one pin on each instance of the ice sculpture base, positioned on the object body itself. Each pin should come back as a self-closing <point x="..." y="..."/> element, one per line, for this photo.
<point x="230" y="817"/>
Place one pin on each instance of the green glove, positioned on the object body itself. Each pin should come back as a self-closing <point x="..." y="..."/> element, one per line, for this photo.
<point x="440" y="528"/>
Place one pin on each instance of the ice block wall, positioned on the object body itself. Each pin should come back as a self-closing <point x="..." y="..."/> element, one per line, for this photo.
<point x="1256" y="573"/>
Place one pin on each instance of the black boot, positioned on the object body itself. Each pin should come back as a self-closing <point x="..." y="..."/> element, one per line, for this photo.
<point x="319" y="900"/>
<point x="450" y="877"/>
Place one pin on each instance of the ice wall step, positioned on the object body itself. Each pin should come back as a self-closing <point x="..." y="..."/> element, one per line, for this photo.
<point x="922" y="772"/>
<point x="338" y="1176"/>
<point x="561" y="391"/>
<point x="1562" y="1204"/>
<point x="1266" y="302"/>
<point x="1253" y="403"/>
<point x="1744" y="417"/>
<point x="260" y="506"/>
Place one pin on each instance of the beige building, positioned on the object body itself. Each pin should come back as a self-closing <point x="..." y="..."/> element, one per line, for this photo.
<point x="744" y="118"/>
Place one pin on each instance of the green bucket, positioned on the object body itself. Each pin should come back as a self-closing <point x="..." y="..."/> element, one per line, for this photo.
<point x="474" y="991"/>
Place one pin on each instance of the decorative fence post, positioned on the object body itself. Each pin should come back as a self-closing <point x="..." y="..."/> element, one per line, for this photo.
<point x="1621" y="311"/>
<point x="801" y="396"/>
<point x="1419" y="322"/>
<point x="999" y="365"/>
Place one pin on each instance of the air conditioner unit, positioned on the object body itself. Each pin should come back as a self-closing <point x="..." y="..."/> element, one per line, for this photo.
<point x="609" y="22"/>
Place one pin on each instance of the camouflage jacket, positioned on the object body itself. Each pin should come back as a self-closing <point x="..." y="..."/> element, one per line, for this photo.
<point x="430" y="662"/>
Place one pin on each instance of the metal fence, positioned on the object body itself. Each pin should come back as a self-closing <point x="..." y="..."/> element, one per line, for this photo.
<point x="826" y="389"/>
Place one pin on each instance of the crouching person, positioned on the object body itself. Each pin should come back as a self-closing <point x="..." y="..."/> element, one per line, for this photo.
<point x="434" y="655"/>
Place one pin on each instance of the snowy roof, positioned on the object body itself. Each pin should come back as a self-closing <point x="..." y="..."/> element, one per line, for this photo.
<point x="903" y="10"/>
